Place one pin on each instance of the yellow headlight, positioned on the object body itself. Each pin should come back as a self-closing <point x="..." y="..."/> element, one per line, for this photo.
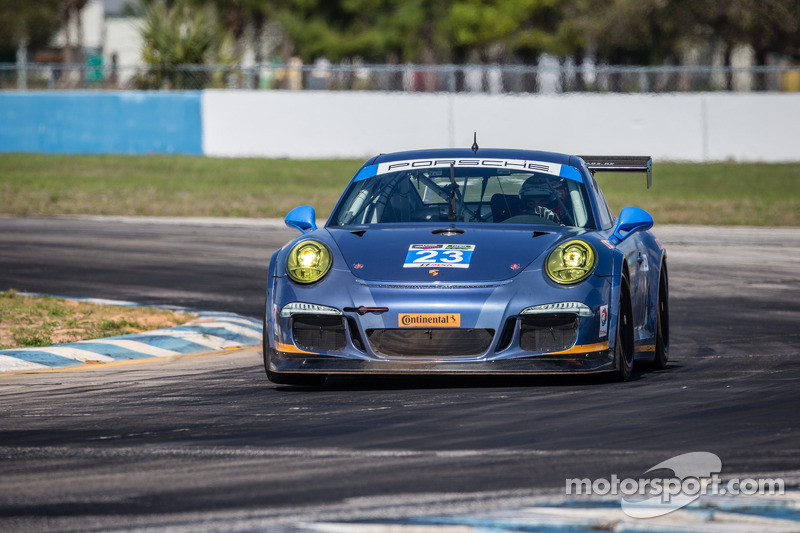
<point x="571" y="262"/>
<point x="308" y="257"/>
<point x="308" y="262"/>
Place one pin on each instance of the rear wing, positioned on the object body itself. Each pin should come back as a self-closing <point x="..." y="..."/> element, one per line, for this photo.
<point x="620" y="163"/>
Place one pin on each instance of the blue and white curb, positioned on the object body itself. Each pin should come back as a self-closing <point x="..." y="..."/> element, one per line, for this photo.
<point x="710" y="514"/>
<point x="211" y="331"/>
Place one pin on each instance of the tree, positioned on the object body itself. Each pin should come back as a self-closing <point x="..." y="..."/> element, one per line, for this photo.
<point x="499" y="30"/>
<point x="177" y="35"/>
<point x="71" y="17"/>
<point x="241" y="17"/>
<point x="628" y="32"/>
<point x="28" y="24"/>
<point x="337" y="29"/>
<point x="767" y="26"/>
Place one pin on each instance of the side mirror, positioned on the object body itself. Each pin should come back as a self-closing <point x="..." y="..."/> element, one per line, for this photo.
<point x="303" y="218"/>
<point x="631" y="220"/>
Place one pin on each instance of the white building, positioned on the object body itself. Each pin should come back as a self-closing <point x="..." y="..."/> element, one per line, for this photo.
<point x="109" y="34"/>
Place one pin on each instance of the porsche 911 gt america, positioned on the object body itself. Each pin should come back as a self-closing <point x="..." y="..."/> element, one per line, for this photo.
<point x="469" y="261"/>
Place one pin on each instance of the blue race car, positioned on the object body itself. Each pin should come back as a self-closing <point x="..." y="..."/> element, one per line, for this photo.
<point x="469" y="261"/>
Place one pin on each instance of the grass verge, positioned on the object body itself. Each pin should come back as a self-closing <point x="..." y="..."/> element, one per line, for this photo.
<point x="718" y="194"/>
<point x="682" y="193"/>
<point x="167" y="185"/>
<point x="36" y="321"/>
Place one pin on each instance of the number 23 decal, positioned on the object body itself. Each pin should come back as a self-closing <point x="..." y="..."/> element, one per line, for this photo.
<point x="439" y="255"/>
<point x="435" y="256"/>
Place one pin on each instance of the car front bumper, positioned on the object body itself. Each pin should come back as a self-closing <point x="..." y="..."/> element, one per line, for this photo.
<point x="490" y="338"/>
<point x="567" y="363"/>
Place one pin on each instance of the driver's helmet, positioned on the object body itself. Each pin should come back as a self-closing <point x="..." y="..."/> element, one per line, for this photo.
<point x="536" y="189"/>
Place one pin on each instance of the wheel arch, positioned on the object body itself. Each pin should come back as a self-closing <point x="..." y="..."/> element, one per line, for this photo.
<point x="269" y="318"/>
<point x="621" y="272"/>
<point x="654" y="293"/>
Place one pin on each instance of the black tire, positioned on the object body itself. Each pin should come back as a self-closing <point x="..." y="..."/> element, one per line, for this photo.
<point x="662" y="322"/>
<point x="624" y="345"/>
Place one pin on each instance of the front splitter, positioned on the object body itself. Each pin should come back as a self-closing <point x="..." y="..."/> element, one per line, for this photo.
<point x="573" y="363"/>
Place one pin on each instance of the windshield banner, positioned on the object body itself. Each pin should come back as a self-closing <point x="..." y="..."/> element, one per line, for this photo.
<point x="510" y="164"/>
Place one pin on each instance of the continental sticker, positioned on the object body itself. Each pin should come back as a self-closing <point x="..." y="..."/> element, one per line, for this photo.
<point x="429" y="320"/>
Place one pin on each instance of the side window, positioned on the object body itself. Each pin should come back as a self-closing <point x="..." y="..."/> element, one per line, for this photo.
<point x="603" y="211"/>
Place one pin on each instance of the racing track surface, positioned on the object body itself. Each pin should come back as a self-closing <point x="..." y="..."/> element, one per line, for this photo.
<point x="204" y="443"/>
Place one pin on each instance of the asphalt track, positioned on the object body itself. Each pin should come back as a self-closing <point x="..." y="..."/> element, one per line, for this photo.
<point x="205" y="443"/>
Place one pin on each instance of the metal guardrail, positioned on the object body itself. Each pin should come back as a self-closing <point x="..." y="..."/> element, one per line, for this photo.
<point x="490" y="79"/>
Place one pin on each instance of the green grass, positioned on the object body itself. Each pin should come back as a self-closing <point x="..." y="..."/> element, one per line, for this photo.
<point x="717" y="194"/>
<point x="713" y="193"/>
<point x="167" y="185"/>
<point x="32" y="321"/>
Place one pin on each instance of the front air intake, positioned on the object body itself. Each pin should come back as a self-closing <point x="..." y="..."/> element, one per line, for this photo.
<point x="318" y="333"/>
<point x="434" y="342"/>
<point x="548" y="333"/>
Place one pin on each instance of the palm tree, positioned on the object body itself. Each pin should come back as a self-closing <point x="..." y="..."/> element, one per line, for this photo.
<point x="73" y="53"/>
<point x="176" y="36"/>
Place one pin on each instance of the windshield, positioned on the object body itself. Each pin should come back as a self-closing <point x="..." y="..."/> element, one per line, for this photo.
<point x="464" y="194"/>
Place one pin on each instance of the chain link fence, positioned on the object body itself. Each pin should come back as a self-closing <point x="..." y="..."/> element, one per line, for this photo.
<point x="488" y="79"/>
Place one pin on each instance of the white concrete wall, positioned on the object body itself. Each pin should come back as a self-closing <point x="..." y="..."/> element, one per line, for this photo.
<point x="677" y="127"/>
<point x="321" y="124"/>
<point x="751" y="127"/>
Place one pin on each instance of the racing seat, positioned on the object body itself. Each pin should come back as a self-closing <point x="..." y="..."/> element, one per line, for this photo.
<point x="397" y="210"/>
<point x="402" y="201"/>
<point x="504" y="206"/>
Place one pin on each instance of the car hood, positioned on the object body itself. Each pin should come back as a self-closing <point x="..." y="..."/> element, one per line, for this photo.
<point x="382" y="254"/>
